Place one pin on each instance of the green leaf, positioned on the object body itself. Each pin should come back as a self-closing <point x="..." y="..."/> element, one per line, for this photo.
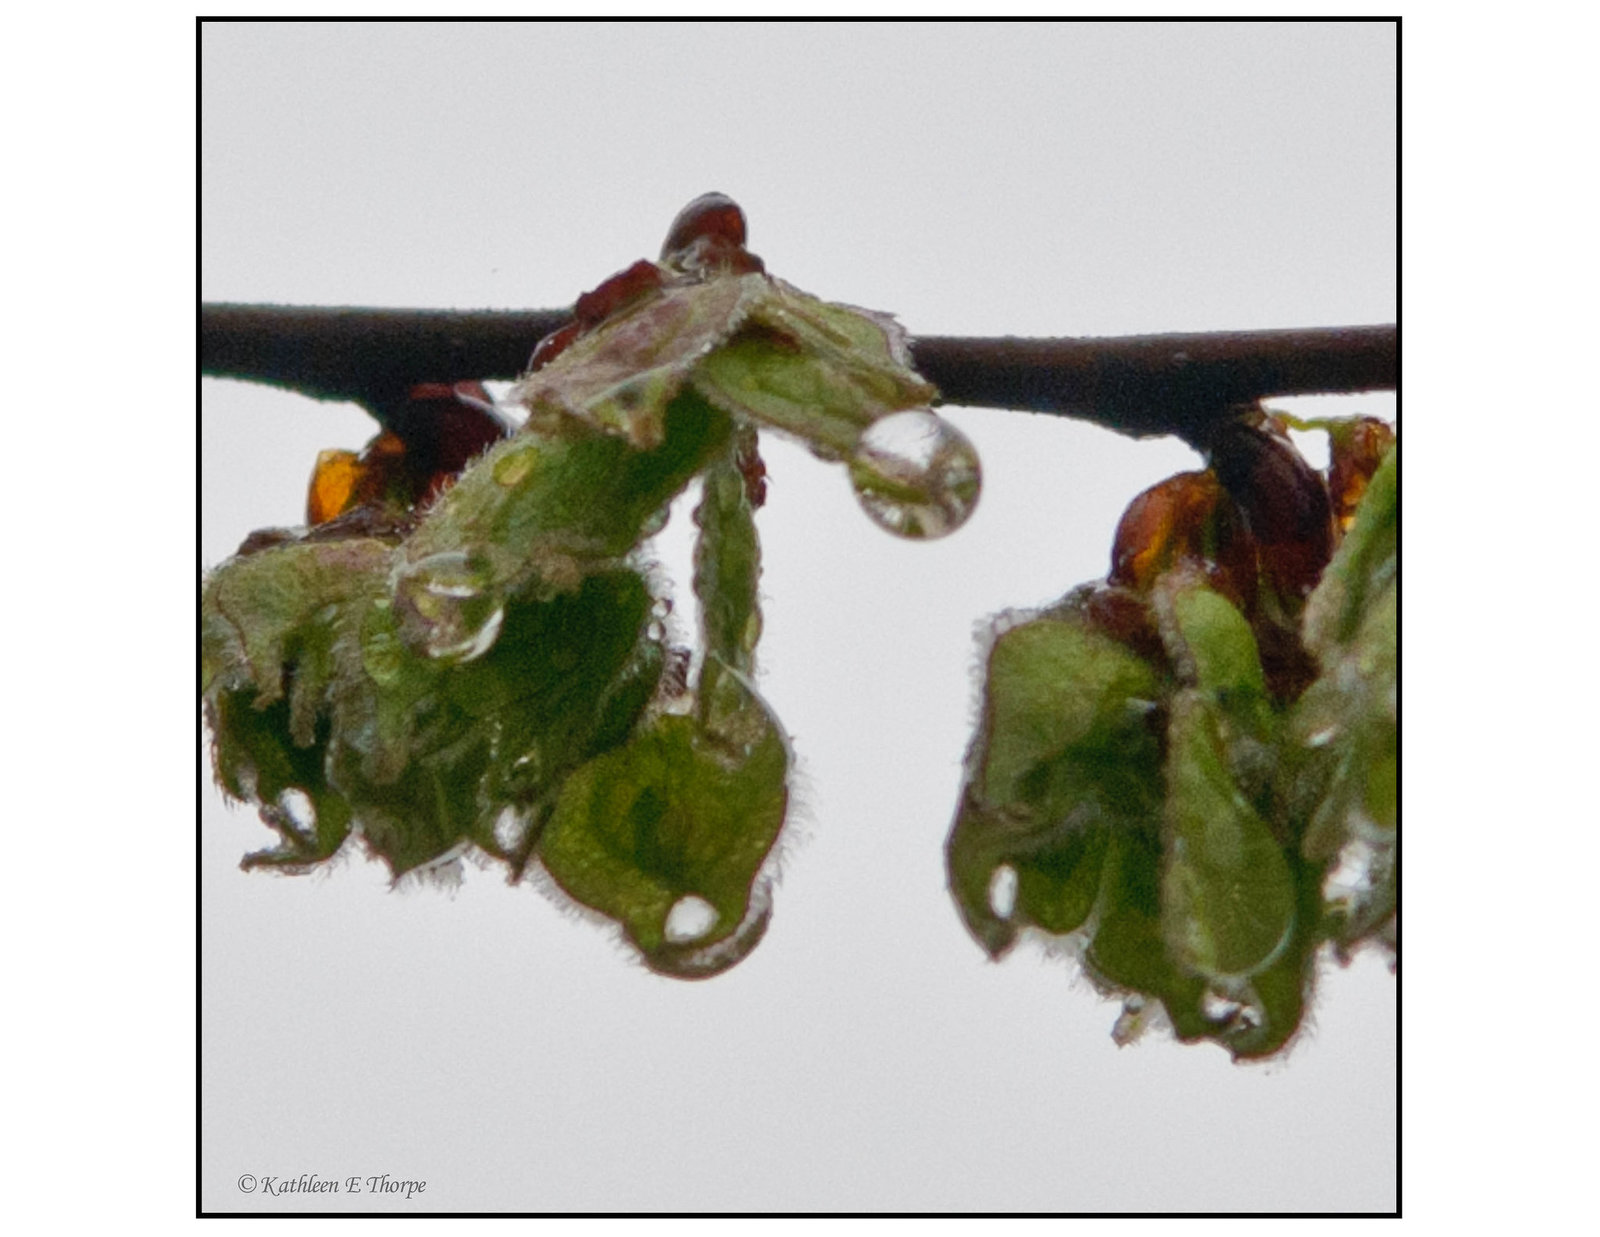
<point x="1065" y="757"/>
<point x="676" y="813"/>
<point x="819" y="371"/>
<point x="621" y="376"/>
<point x="1228" y="902"/>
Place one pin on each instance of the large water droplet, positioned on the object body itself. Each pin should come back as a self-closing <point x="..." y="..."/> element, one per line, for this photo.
<point x="296" y="811"/>
<point x="445" y="607"/>
<point x="690" y="918"/>
<point x="916" y="474"/>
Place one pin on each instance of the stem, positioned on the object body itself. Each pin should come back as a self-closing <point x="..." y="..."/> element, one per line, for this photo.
<point x="1140" y="385"/>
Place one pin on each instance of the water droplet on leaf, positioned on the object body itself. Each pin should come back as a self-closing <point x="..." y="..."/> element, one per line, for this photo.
<point x="298" y="812"/>
<point x="1218" y="1007"/>
<point x="446" y="608"/>
<point x="1131" y="1022"/>
<point x="510" y="829"/>
<point x="915" y="474"/>
<point x="690" y="918"/>
<point x="515" y="465"/>
<point x="1003" y="891"/>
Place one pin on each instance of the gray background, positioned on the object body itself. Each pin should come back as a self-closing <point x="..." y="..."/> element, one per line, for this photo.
<point x="1010" y="179"/>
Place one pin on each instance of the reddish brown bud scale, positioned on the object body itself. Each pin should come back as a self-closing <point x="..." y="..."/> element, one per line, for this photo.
<point x="1285" y="503"/>
<point x="1127" y="618"/>
<point x="393" y="473"/>
<point x="618" y="292"/>
<point x="1356" y="449"/>
<point x="1189" y="519"/>
<point x="553" y="345"/>
<point x="754" y="471"/>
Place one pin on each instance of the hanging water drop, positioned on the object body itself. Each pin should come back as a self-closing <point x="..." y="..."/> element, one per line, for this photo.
<point x="298" y="812"/>
<point x="1003" y="891"/>
<point x="690" y="918"/>
<point x="1131" y="1022"/>
<point x="915" y="474"/>
<point x="446" y="608"/>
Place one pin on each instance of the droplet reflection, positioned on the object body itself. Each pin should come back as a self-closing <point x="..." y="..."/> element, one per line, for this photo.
<point x="445" y="607"/>
<point x="916" y="474"/>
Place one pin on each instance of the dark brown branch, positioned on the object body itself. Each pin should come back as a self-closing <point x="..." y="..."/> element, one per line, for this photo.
<point x="1140" y="385"/>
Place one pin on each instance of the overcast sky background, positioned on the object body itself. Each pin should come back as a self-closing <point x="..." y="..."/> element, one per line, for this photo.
<point x="982" y="180"/>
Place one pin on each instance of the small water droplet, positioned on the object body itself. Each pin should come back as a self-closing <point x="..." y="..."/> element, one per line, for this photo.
<point x="382" y="653"/>
<point x="527" y="770"/>
<point x="1131" y="1022"/>
<point x="513" y="466"/>
<point x="446" y="608"/>
<point x="655" y="630"/>
<point x="690" y="918"/>
<point x="1360" y="870"/>
<point x="656" y="520"/>
<point x="661" y="607"/>
<point x="443" y="871"/>
<point x="1218" y="1007"/>
<point x="1003" y="891"/>
<point x="751" y="635"/>
<point x="916" y="474"/>
<point x="1323" y="737"/>
<point x="298" y="812"/>
<point x="510" y="829"/>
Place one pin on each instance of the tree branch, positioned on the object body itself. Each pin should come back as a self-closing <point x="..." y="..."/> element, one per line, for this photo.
<point x="1141" y="385"/>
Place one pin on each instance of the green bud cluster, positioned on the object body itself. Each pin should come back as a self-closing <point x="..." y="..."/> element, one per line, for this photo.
<point x="1196" y="838"/>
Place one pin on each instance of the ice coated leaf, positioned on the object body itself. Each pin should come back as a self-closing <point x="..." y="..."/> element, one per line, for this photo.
<point x="676" y="813"/>
<point x="423" y="756"/>
<point x="1228" y="897"/>
<point x="621" y="376"/>
<point x="547" y="505"/>
<point x="1366" y="564"/>
<point x="1065" y="756"/>
<point x="1215" y="650"/>
<point x="1340" y="773"/>
<point x="754" y="346"/>
<point x="256" y="611"/>
<point x="727" y="564"/>
<point x="1128" y="950"/>
<point x="256" y="759"/>
<point x="819" y="371"/>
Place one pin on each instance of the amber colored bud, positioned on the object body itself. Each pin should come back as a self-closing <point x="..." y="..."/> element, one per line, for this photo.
<point x="1189" y="519"/>
<point x="1284" y="500"/>
<point x="333" y="483"/>
<point x="1356" y="448"/>
<point x="343" y="480"/>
